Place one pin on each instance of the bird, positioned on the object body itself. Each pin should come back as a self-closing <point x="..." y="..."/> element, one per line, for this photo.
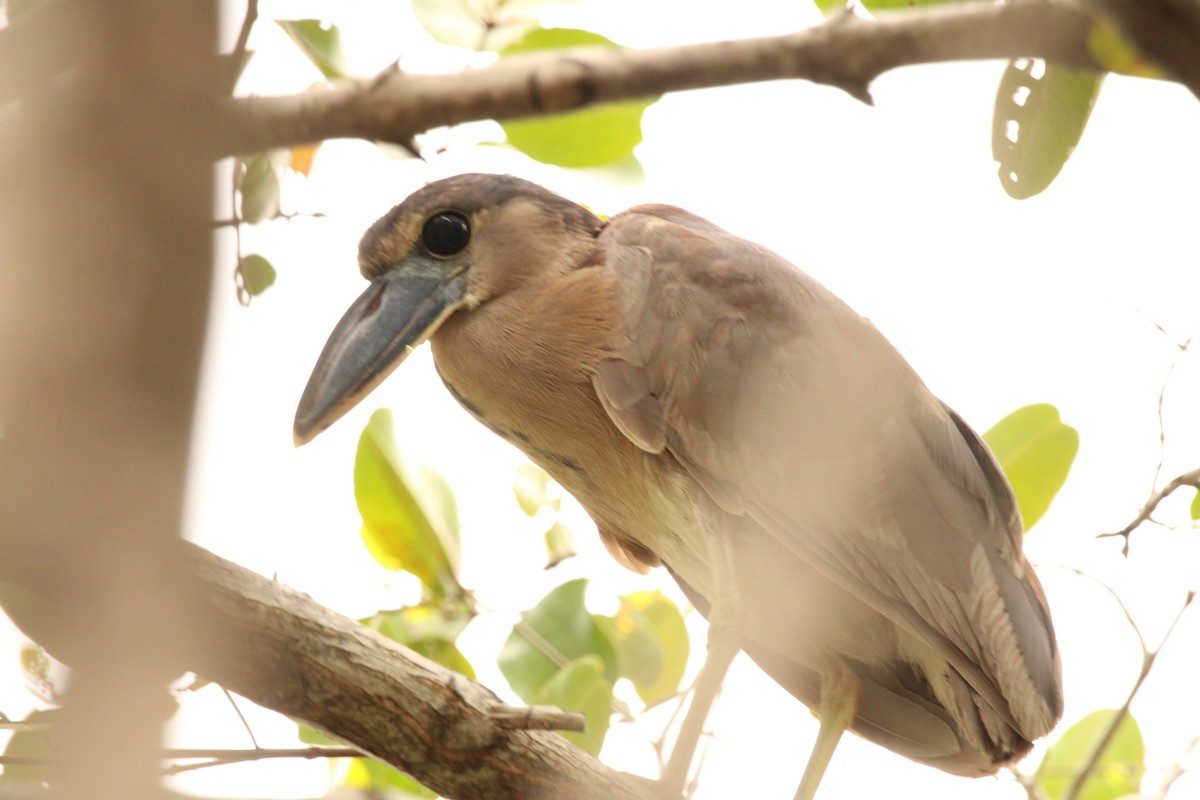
<point x="720" y="413"/>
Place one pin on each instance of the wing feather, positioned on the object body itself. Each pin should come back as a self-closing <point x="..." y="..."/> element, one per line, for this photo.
<point x="787" y="406"/>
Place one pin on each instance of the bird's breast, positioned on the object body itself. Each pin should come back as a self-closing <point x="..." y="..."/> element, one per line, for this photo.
<point x="522" y="364"/>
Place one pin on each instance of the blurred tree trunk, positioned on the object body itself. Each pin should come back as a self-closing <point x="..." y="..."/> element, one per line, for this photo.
<point x="105" y="276"/>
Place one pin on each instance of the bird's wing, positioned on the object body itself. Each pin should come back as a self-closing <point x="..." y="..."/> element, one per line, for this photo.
<point x="787" y="406"/>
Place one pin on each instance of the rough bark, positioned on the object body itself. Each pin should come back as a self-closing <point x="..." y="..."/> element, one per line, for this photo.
<point x="284" y="651"/>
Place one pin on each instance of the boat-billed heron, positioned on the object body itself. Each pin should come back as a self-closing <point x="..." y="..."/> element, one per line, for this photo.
<point x="720" y="413"/>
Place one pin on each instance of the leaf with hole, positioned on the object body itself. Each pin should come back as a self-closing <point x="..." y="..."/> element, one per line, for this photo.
<point x="1036" y="449"/>
<point x="1041" y="111"/>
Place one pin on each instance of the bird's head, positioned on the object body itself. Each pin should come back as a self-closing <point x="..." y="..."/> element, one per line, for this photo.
<point x="455" y="244"/>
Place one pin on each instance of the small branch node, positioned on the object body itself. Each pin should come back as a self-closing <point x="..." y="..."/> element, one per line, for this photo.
<point x="536" y="718"/>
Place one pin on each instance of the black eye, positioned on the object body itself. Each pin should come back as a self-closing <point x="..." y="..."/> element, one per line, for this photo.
<point x="447" y="233"/>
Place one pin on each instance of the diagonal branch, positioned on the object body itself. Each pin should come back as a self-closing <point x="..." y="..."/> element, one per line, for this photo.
<point x="284" y="651"/>
<point x="847" y="52"/>
<point x="1191" y="478"/>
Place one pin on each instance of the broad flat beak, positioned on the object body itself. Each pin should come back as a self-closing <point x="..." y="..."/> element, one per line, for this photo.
<point x="395" y="314"/>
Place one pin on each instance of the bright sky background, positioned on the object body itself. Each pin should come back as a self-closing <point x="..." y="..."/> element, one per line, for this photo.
<point x="996" y="303"/>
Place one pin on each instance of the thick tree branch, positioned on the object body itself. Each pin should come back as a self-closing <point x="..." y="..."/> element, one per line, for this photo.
<point x="282" y="650"/>
<point x="847" y="52"/>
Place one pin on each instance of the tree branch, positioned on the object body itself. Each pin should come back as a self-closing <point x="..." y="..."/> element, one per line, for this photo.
<point x="1081" y="777"/>
<point x="847" y="52"/>
<point x="282" y="650"/>
<point x="1191" y="478"/>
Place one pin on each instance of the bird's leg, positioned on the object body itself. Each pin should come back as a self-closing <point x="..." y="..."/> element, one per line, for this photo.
<point x="724" y="641"/>
<point x="839" y="705"/>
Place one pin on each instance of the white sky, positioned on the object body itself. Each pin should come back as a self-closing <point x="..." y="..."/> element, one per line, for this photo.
<point x="897" y="209"/>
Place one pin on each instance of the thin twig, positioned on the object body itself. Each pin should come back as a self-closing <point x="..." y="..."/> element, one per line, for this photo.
<point x="242" y="717"/>
<point x="539" y="643"/>
<point x="1175" y="771"/>
<point x="239" y="49"/>
<point x="1190" y="478"/>
<point x="1116" y="597"/>
<point x="1081" y="777"/>
<point x="213" y="756"/>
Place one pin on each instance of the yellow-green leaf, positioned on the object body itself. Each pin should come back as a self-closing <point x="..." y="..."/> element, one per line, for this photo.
<point x="320" y="42"/>
<point x="590" y="137"/>
<point x="258" y="184"/>
<point x="652" y="644"/>
<point x="1041" y="111"/>
<point x="559" y="544"/>
<point x="430" y="629"/>
<point x="253" y="276"/>
<point x="1036" y="449"/>
<point x="1116" y="54"/>
<point x="1117" y="773"/>
<point x="409" y="520"/>
<point x="1196" y="506"/>
<point x="532" y="489"/>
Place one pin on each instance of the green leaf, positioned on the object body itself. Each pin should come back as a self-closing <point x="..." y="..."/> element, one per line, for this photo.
<point x="556" y="631"/>
<point x="313" y="736"/>
<point x="32" y="741"/>
<point x="559" y="544"/>
<point x="409" y="518"/>
<point x="532" y="489"/>
<point x="1117" y="773"/>
<point x="320" y="42"/>
<point x="1036" y="449"/>
<point x="428" y="630"/>
<point x="1038" y="121"/>
<point x="258" y="184"/>
<point x="581" y="686"/>
<point x="253" y="276"/>
<point x="1116" y="54"/>
<point x="652" y="644"/>
<point x="1196" y="506"/>
<point x="589" y="137"/>
<point x="378" y="779"/>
